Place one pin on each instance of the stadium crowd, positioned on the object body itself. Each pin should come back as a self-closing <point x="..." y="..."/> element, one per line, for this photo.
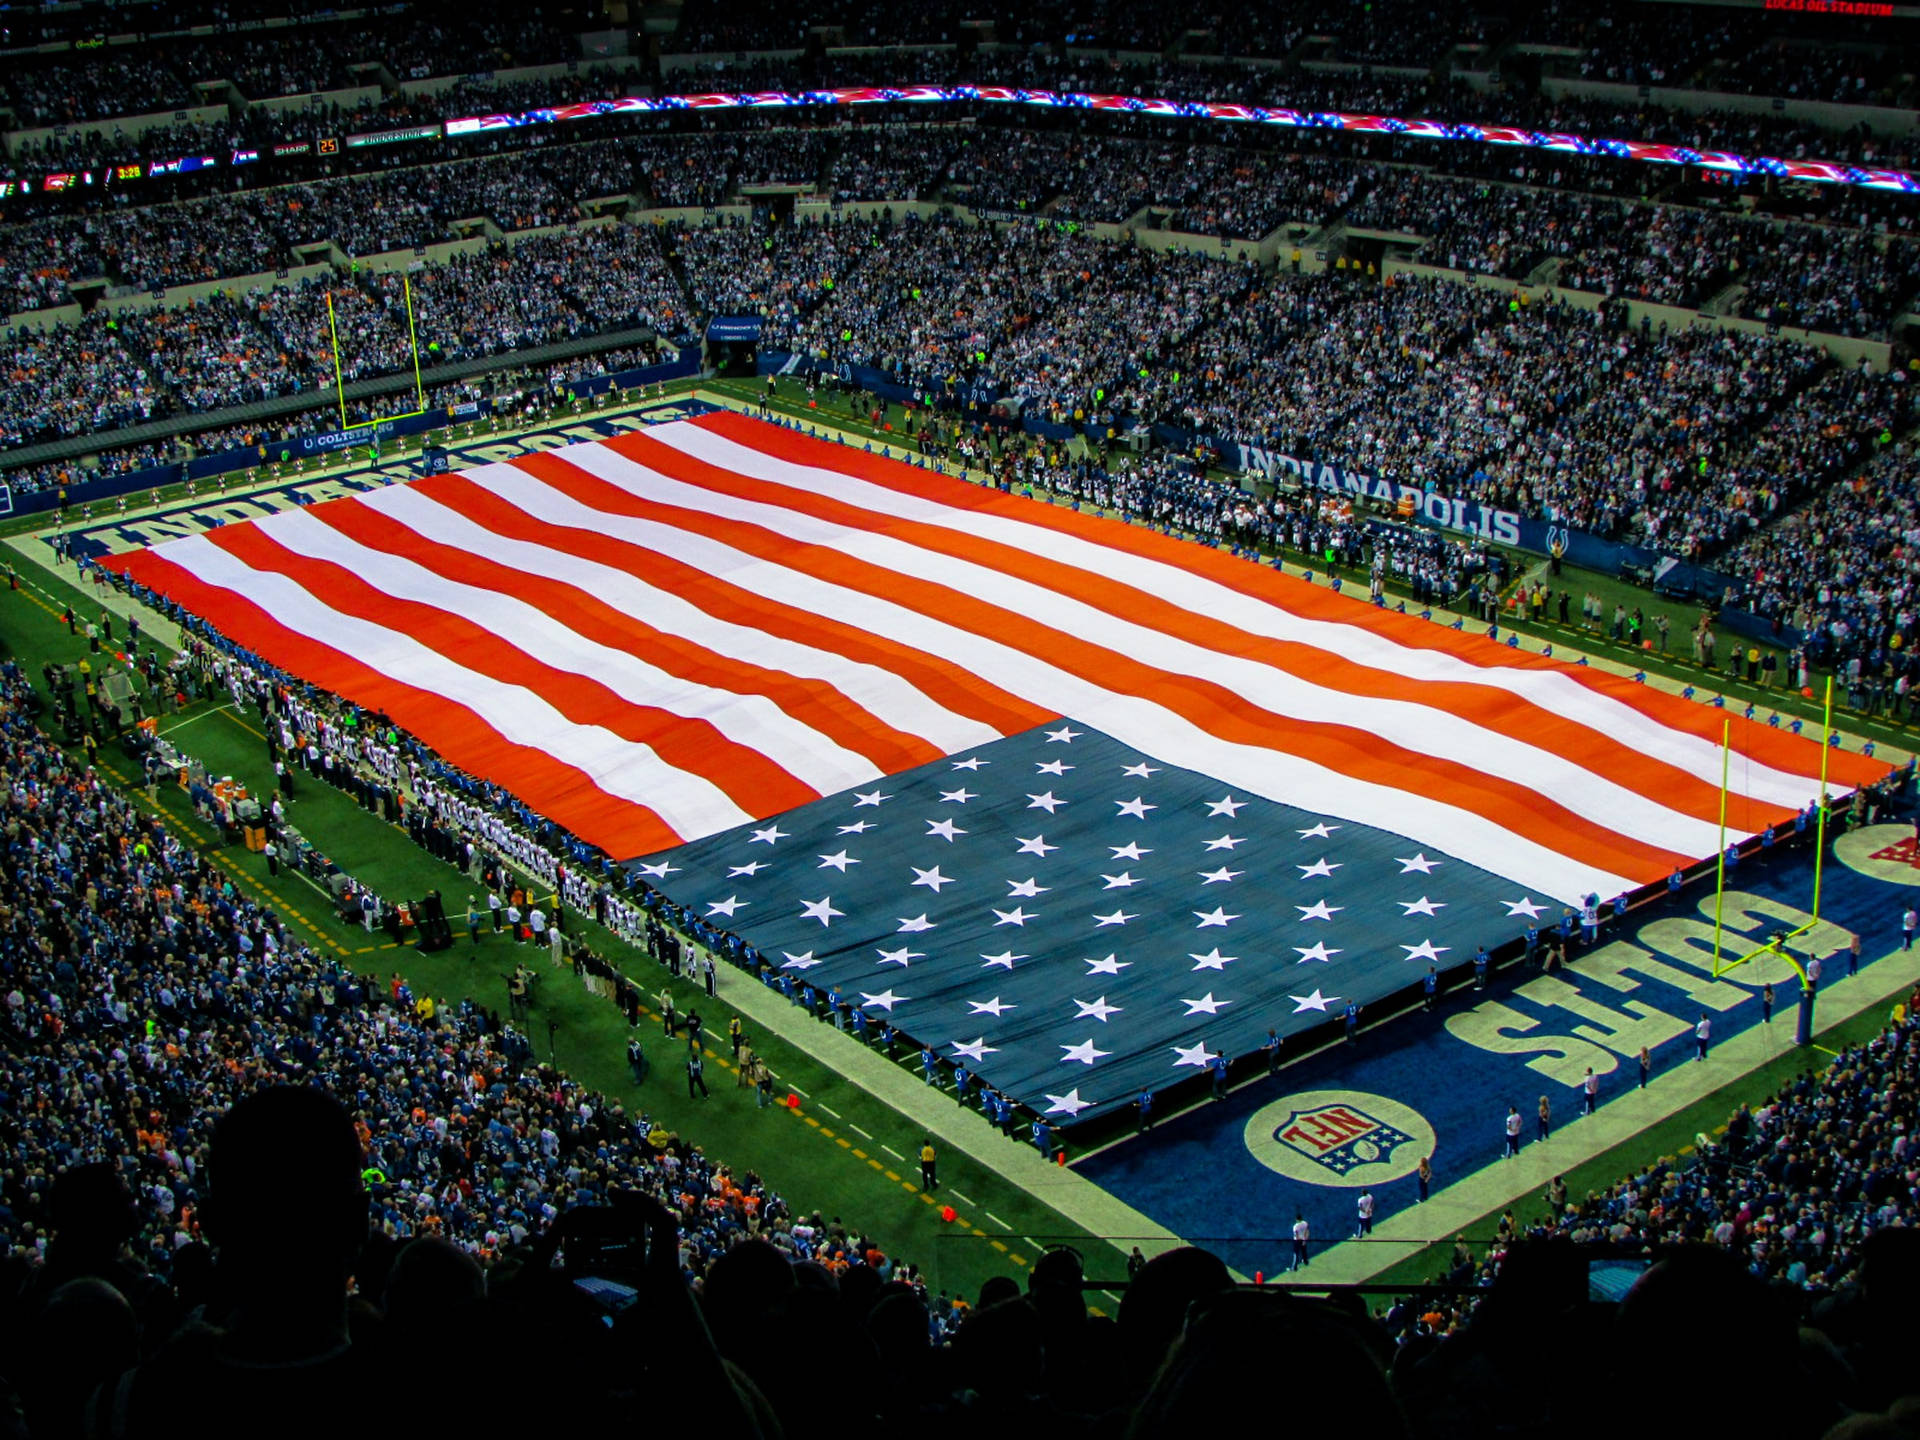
<point x="121" y="367"/>
<point x="206" y="1062"/>
<point x="122" y="80"/>
<point x="1682" y="439"/>
<point x="1851" y="273"/>
<point x="148" y="993"/>
<point x="206" y="1128"/>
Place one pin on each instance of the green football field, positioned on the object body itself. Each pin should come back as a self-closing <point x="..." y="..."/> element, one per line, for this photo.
<point x="844" y="1151"/>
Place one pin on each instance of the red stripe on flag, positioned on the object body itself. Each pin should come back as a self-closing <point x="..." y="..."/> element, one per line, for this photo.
<point x="1777" y="748"/>
<point x="1206" y="704"/>
<point x="749" y="778"/>
<point x="559" y="791"/>
<point x="813" y="703"/>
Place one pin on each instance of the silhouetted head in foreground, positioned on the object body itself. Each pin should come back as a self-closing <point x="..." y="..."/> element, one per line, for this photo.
<point x="288" y="1217"/>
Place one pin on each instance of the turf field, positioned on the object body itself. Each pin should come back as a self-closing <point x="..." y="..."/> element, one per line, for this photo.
<point x="844" y="1149"/>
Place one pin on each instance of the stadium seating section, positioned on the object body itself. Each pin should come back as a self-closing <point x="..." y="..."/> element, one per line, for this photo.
<point x="1719" y="370"/>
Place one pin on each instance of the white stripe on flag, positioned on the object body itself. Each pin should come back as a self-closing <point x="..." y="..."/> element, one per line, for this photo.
<point x="749" y="720"/>
<point x="1421" y="729"/>
<point x="1559" y="694"/>
<point x="1143" y="724"/>
<point x="690" y="804"/>
<point x="878" y="691"/>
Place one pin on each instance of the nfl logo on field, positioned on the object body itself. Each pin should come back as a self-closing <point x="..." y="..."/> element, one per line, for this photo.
<point x="1339" y="1137"/>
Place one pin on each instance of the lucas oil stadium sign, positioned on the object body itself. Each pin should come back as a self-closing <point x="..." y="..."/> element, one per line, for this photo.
<point x="1448" y="512"/>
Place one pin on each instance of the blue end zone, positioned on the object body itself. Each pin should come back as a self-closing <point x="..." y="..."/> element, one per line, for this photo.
<point x="1231" y="1175"/>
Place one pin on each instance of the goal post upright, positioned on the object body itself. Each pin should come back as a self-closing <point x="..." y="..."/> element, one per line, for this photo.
<point x="339" y="375"/>
<point x="339" y="370"/>
<point x="1777" y="945"/>
<point x="1820" y="818"/>
<point x="1720" y="852"/>
<point x="413" y="342"/>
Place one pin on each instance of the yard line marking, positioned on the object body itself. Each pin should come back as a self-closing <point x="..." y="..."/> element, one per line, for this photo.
<point x="830" y="1110"/>
<point x="997" y="1220"/>
<point x="898" y="1156"/>
<point x="182" y="724"/>
<point x="857" y="1130"/>
<point x="963" y="1199"/>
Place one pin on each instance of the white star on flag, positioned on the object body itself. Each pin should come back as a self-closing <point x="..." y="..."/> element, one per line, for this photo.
<point x="1218" y="877"/>
<point x="1136" y="807"/>
<point x="1084" y="1052"/>
<point x="752" y="867"/>
<point x="1422" y="906"/>
<point x="770" y="835"/>
<point x="1067" y="1104"/>
<point x="1140" y="771"/>
<point x="1048" y="802"/>
<point x="1096" y="1009"/>
<point x="1205" y="1005"/>
<point x="972" y="763"/>
<point x="1228" y="807"/>
<point x="1525" y="905"/>
<point x="1318" y="867"/>
<point x="1129" y="851"/>
<point x="1019" y="915"/>
<point x="871" y="797"/>
<point x="1225" y="842"/>
<point x="1319" y="910"/>
<point x="1107" y="965"/>
<point x="1212" y="960"/>
<point x="974" y="1050"/>
<point x="803" y="961"/>
<point x="1317" y="952"/>
<point x="1062" y="736"/>
<point x="1116" y="918"/>
<point x="995" y="1007"/>
<point x="945" y="829"/>
<point x="1315" y="1001"/>
<point x="859" y="827"/>
<point x="1037" y="845"/>
<point x="903" y="957"/>
<point x="932" y="879"/>
<point x="957" y="797"/>
<point x="914" y="924"/>
<point x="1319" y="832"/>
<point x="1216" y="916"/>
<point x="885" y="1000"/>
<point x="1004" y="960"/>
<point x="1051" y="767"/>
<point x="1425" y="950"/>
<point x="837" y="861"/>
<point x="1118" y="882"/>
<point x="1191" y="1055"/>
<point x="821" y="910"/>
<point x="1026" y="889"/>
<point x="727" y="906"/>
<point x="660" y="871"/>
<point x="1418" y="862"/>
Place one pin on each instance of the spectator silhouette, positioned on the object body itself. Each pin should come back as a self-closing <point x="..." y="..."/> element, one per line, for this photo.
<point x="83" y="1337"/>
<point x="1695" y="1313"/>
<point x="288" y="1217"/>
<point x="1873" y="1321"/>
<point x="1154" y="1309"/>
<point x="92" y="1218"/>
<point x="1217" y="1371"/>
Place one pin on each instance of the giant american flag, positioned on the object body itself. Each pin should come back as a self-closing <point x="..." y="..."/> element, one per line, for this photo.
<point x="1072" y="801"/>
